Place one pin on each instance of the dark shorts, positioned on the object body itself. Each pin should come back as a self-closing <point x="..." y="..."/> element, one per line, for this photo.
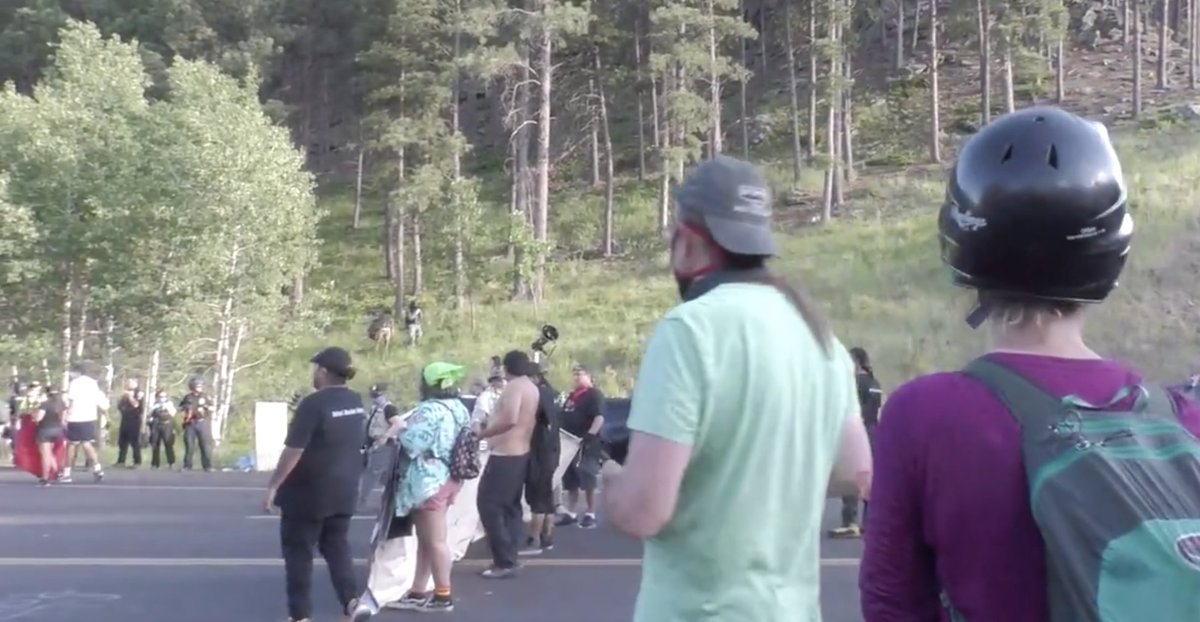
<point x="81" y="431"/>
<point x="49" y="434"/>
<point x="539" y="493"/>
<point x="575" y="478"/>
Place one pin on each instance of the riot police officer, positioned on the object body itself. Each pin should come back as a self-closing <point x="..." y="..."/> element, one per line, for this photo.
<point x="196" y="409"/>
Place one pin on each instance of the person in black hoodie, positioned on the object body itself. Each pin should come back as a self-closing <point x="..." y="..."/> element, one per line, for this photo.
<point x="545" y="448"/>
<point x="870" y="399"/>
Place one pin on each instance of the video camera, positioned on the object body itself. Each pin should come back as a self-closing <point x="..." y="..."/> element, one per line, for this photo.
<point x="547" y="336"/>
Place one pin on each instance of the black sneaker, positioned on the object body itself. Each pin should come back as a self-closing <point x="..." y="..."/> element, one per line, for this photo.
<point x="587" y="522"/>
<point x="43" y="482"/>
<point x="65" y="479"/>
<point x="98" y="476"/>
<point x="409" y="602"/>
<point x="565" y="520"/>
<point x="547" y="543"/>
<point x="531" y="548"/>
<point x="436" y="604"/>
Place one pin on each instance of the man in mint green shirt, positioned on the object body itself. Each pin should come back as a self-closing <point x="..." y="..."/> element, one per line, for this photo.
<point x="745" y="405"/>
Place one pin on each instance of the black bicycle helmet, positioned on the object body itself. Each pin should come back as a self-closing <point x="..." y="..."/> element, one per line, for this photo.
<point x="1036" y="208"/>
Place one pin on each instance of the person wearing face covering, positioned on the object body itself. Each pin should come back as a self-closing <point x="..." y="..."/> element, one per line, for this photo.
<point x="376" y="457"/>
<point x="745" y="407"/>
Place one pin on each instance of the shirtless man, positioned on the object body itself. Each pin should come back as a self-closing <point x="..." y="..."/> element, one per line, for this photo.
<point x="508" y="432"/>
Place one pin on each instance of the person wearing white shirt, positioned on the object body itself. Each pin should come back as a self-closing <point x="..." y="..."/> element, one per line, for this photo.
<point x="485" y="403"/>
<point x="86" y="404"/>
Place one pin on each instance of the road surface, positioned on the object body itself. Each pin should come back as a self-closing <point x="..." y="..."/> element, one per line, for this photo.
<point x="194" y="547"/>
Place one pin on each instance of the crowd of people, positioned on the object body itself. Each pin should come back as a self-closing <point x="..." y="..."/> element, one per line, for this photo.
<point x="338" y="449"/>
<point x="1041" y="483"/>
<point x="46" y="428"/>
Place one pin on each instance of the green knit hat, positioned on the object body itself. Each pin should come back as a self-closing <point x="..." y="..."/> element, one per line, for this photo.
<point x="442" y="375"/>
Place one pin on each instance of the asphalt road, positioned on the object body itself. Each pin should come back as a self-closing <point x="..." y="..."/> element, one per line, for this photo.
<point x="193" y="547"/>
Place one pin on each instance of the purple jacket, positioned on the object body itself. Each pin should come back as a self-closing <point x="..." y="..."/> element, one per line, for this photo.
<point x="950" y="502"/>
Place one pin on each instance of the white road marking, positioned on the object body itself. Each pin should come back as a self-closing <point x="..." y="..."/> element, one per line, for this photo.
<point x="220" y="562"/>
<point x="276" y="517"/>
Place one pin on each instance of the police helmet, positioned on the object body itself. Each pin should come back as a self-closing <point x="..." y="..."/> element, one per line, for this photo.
<point x="1036" y="208"/>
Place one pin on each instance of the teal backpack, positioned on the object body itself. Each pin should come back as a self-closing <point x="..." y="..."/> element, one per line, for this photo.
<point x="1116" y="496"/>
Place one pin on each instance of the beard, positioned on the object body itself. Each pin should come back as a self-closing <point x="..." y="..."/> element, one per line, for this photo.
<point x="684" y="283"/>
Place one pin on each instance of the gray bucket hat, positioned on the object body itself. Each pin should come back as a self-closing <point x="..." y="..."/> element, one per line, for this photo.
<point x="733" y="200"/>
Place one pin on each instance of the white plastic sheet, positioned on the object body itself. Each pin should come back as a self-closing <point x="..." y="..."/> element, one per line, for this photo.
<point x="394" y="563"/>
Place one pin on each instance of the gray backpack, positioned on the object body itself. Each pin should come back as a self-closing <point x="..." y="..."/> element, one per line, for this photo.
<point x="1116" y="496"/>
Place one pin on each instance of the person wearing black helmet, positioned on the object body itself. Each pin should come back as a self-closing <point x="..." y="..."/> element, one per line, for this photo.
<point x="999" y="488"/>
<point x="315" y="485"/>
<point x="375" y="457"/>
<point x="196" y="410"/>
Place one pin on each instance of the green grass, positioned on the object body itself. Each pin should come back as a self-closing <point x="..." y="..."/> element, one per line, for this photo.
<point x="877" y="273"/>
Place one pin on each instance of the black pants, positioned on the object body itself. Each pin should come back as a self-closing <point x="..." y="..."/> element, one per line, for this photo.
<point x="331" y="536"/>
<point x="129" y="437"/>
<point x="499" y="503"/>
<point x="162" y="437"/>
<point x="197" y="437"/>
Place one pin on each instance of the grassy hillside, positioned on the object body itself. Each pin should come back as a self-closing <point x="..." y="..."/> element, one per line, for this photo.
<point x="877" y="274"/>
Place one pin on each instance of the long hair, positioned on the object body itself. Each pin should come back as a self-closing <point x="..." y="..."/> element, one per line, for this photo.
<point x="862" y="359"/>
<point x="812" y="315"/>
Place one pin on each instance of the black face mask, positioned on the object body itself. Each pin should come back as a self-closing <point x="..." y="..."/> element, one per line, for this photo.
<point x="685" y="284"/>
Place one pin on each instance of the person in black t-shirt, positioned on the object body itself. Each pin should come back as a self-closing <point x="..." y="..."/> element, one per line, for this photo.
<point x="870" y="399"/>
<point x="49" y="418"/>
<point x="129" y="435"/>
<point x="315" y="485"/>
<point x="545" y="446"/>
<point x="583" y="416"/>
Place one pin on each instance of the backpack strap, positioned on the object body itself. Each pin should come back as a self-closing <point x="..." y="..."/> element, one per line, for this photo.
<point x="1031" y="405"/>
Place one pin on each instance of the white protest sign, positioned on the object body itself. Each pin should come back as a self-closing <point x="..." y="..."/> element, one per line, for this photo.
<point x="270" y="430"/>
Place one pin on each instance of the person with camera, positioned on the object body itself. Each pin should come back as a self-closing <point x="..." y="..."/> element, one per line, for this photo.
<point x="129" y="434"/>
<point x="196" y="408"/>
<point x="583" y="416"/>
<point x="162" y="430"/>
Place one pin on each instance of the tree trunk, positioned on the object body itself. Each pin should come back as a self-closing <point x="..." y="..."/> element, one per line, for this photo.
<point x="110" y="354"/>
<point x="67" y="343"/>
<point x="641" y="111"/>
<point x="397" y="234"/>
<point x="1193" y="49"/>
<point x="663" y="138"/>
<point x="1060" y="57"/>
<point x="742" y="87"/>
<point x="832" y="178"/>
<point x="1137" y="59"/>
<point x="609" y="173"/>
<point x="521" y="142"/>
<point x="900" y="34"/>
<point x="541" y="216"/>
<point x="793" y="94"/>
<point x="418" y="257"/>
<point x="847" y="114"/>
<point x="296" y="298"/>
<point x="1127" y="22"/>
<point x="983" y="11"/>
<point x="714" y="90"/>
<point x="762" y="43"/>
<point x="460" y="234"/>
<point x="1164" y="35"/>
<point x="813" y="51"/>
<point x="155" y="365"/>
<point x="594" y="127"/>
<point x="916" y="26"/>
<point x="358" y="188"/>
<point x="935" y="112"/>
<point x="1010" y="103"/>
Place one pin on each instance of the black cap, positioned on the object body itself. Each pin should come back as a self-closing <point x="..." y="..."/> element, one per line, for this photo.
<point x="733" y="200"/>
<point x="336" y="360"/>
<point x="1036" y="208"/>
<point x="379" y="388"/>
